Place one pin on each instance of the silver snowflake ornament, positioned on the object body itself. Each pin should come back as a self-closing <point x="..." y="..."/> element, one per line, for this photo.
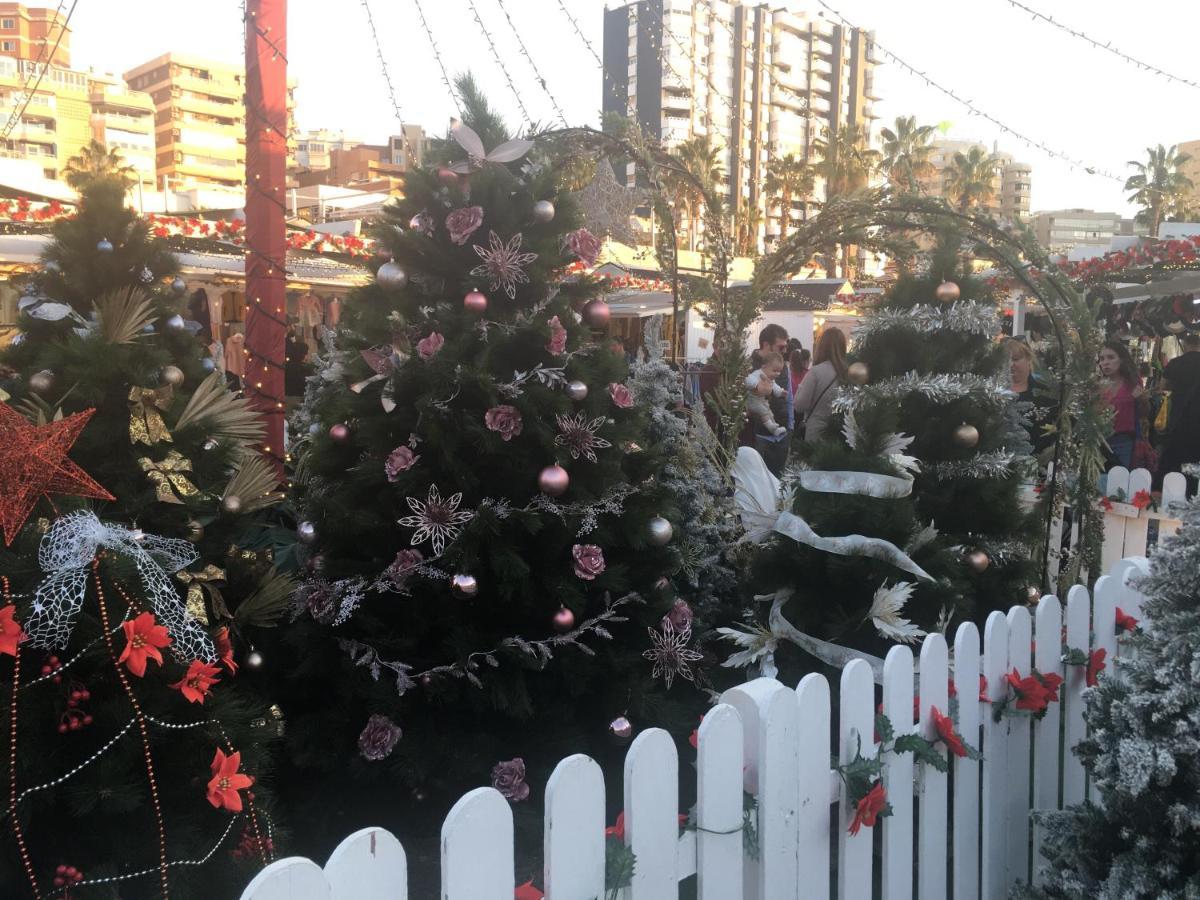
<point x="436" y="520"/>
<point x="503" y="264"/>
<point x="579" y="436"/>
<point x="671" y="655"/>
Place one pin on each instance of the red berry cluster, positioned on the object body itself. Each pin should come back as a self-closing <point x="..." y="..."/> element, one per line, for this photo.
<point x="251" y="847"/>
<point x="65" y="876"/>
<point x="53" y="665"/>
<point x="74" y="718"/>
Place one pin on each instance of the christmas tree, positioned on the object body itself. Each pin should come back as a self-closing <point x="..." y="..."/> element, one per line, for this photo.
<point x="492" y="552"/>
<point x="1141" y="752"/>
<point x="904" y="513"/>
<point x="135" y="569"/>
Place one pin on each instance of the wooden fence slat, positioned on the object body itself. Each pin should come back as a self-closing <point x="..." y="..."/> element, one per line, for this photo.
<point x="477" y="848"/>
<point x="1079" y="608"/>
<point x="933" y="786"/>
<point x="1046" y="760"/>
<point x="897" y="865"/>
<point x="1020" y="657"/>
<point x="718" y="805"/>
<point x="965" y="840"/>
<point x="770" y="729"/>
<point x="815" y="811"/>
<point x="1137" y="528"/>
<point x="994" y="774"/>
<point x="294" y="878"/>
<point x="1116" y="484"/>
<point x="856" y="732"/>
<point x="652" y="814"/>
<point x="573" y="844"/>
<point x="1174" y="490"/>
<point x="368" y="865"/>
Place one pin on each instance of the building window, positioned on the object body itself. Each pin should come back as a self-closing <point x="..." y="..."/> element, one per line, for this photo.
<point x="8" y="46"/>
<point x="8" y="24"/>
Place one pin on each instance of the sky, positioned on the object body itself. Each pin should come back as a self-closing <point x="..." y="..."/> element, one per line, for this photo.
<point x="1035" y="79"/>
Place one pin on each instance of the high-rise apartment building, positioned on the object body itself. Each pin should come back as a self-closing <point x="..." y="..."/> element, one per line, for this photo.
<point x="54" y="121"/>
<point x="1062" y="230"/>
<point x="761" y="82"/>
<point x="1191" y="169"/>
<point x="123" y="120"/>
<point x="1011" y="180"/>
<point x="313" y="148"/>
<point x="37" y="33"/>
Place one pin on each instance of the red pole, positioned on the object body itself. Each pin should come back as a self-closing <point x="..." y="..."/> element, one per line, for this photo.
<point x="266" y="242"/>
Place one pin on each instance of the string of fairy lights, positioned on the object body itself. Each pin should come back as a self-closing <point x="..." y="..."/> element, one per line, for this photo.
<point x="33" y="79"/>
<point x="500" y="63"/>
<point x="537" y="74"/>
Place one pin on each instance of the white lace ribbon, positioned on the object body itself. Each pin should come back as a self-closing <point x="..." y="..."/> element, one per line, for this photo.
<point x="67" y="551"/>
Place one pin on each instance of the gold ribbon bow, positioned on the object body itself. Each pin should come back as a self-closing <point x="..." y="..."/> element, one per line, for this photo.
<point x="200" y="583"/>
<point x="169" y="478"/>
<point x="146" y="425"/>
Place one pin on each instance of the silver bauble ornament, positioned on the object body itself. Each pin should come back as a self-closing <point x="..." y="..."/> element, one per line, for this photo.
<point x="543" y="211"/>
<point x="52" y="267"/>
<point x="254" y="660"/>
<point x="208" y="365"/>
<point x="306" y="532"/>
<point x="947" y="292"/>
<point x="966" y="435"/>
<point x="475" y="302"/>
<point x="172" y="375"/>
<point x="577" y="390"/>
<point x="231" y="504"/>
<point x="145" y="276"/>
<point x="174" y="323"/>
<point x="564" y="620"/>
<point x="660" y="531"/>
<point x="148" y="328"/>
<point x="464" y="585"/>
<point x="340" y="433"/>
<point x="178" y="285"/>
<point x="314" y="429"/>
<point x="1032" y="595"/>
<point x="554" y="481"/>
<point x="391" y="276"/>
<point x="211" y="444"/>
<point x="104" y="245"/>
<point x="41" y="382"/>
<point x="596" y="313"/>
<point x="978" y="560"/>
<point x="621" y="729"/>
<point x="858" y="373"/>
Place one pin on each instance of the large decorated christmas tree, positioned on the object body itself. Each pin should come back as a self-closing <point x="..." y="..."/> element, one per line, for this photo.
<point x="134" y="576"/>
<point x="904" y="514"/>
<point x="492" y="551"/>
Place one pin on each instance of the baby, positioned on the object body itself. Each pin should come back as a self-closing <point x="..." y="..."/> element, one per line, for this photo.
<point x="760" y="384"/>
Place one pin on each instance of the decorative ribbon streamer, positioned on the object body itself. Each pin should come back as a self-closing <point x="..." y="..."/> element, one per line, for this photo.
<point x="200" y="583"/>
<point x="146" y="425"/>
<point x="65" y="554"/>
<point x="867" y="484"/>
<point x="832" y="654"/>
<point x="170" y="482"/>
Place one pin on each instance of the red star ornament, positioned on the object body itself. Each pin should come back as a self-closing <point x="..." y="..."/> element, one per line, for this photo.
<point x="33" y="462"/>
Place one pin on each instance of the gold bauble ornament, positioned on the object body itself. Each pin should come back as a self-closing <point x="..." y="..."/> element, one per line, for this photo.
<point x="966" y="435"/>
<point x="858" y="373"/>
<point x="172" y="375"/>
<point x="947" y="292"/>
<point x="978" y="560"/>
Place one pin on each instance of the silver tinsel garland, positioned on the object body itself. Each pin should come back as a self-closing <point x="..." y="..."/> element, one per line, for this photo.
<point x="964" y="318"/>
<point x="995" y="391"/>
<point x="992" y="464"/>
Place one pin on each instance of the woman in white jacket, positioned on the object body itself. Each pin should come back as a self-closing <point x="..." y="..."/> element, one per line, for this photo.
<point x="814" y="398"/>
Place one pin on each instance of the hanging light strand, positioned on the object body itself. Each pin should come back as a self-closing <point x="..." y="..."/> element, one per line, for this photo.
<point x="500" y="62"/>
<point x="532" y="65"/>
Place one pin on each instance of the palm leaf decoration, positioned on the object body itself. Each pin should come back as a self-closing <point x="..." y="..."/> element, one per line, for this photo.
<point x="123" y="313"/>
<point x="226" y="416"/>
<point x="266" y="606"/>
<point x="255" y="483"/>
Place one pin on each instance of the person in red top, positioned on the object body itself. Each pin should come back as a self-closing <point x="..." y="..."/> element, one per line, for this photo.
<point x="798" y="362"/>
<point x="1123" y="391"/>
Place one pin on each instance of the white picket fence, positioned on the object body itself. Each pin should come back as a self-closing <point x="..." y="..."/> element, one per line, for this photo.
<point x="776" y="743"/>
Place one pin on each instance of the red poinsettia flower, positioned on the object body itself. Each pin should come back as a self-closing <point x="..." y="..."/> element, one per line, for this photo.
<point x="144" y="637"/>
<point x="694" y="738"/>
<point x="1095" y="666"/>
<point x="225" y="650"/>
<point x="1142" y="499"/>
<point x="227" y="781"/>
<point x="869" y="808"/>
<point x="1050" y="683"/>
<point x="198" y="681"/>
<point x="1106" y="504"/>
<point x="10" y="631"/>
<point x="945" y="732"/>
<point x="527" y="891"/>
<point x="1124" y="622"/>
<point x="617" y="829"/>
<point x="1031" y="693"/>
<point x="951" y="689"/>
<point x="983" y="691"/>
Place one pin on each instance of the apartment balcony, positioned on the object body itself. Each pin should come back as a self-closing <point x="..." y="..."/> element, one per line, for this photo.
<point x="235" y="111"/>
<point x="204" y="172"/>
<point x="215" y="87"/>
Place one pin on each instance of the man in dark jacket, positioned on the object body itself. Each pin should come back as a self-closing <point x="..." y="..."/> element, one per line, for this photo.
<point x="774" y="450"/>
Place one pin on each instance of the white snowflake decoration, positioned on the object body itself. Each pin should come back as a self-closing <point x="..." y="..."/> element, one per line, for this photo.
<point x="503" y="264"/>
<point x="436" y="520"/>
<point x="579" y="436"/>
<point x="671" y="655"/>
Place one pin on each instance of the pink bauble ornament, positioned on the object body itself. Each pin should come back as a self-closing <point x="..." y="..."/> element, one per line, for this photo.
<point x="448" y="177"/>
<point x="947" y="292"/>
<point x="340" y="433"/>
<point x="564" y="620"/>
<point x="554" y="481"/>
<point x="475" y="302"/>
<point x="596" y="313"/>
<point x="621" y="729"/>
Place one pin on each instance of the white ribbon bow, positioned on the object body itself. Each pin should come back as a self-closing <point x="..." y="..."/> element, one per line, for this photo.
<point x="65" y="554"/>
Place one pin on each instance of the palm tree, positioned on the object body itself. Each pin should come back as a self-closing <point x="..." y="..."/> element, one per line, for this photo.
<point x="790" y="178"/>
<point x="847" y="160"/>
<point x="94" y="161"/>
<point x="700" y="161"/>
<point x="971" y="178"/>
<point x="1159" y="186"/>
<point x="746" y="230"/>
<point x="906" y="153"/>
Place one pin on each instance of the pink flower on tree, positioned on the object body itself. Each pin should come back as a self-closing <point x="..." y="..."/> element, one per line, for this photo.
<point x="558" y="336"/>
<point x="589" y="561"/>
<point x="428" y="346"/>
<point x="509" y="779"/>
<point x="621" y="395"/>
<point x="679" y="616"/>
<point x="506" y="420"/>
<point x="585" y="245"/>
<point x="462" y="223"/>
<point x="399" y="460"/>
